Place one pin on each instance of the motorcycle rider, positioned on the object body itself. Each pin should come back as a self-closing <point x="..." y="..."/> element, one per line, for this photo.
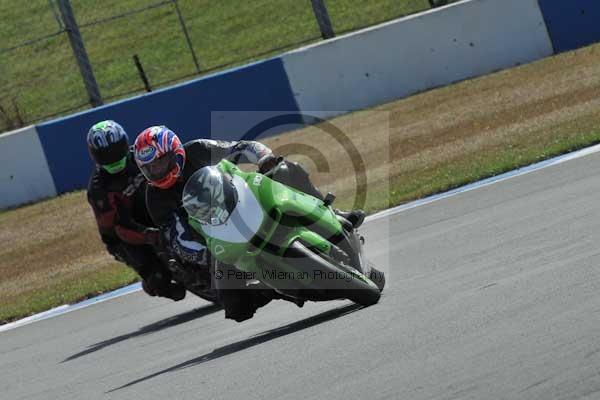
<point x="167" y="164"/>
<point x="116" y="193"/>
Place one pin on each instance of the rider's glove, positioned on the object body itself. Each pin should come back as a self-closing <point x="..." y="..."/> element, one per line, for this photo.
<point x="268" y="162"/>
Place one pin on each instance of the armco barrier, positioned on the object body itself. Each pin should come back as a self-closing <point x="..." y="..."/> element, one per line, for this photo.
<point x="24" y="174"/>
<point x="186" y="108"/>
<point x="572" y="23"/>
<point x="419" y="52"/>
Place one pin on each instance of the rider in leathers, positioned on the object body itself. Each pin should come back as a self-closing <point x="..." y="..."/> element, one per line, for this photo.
<point x="168" y="164"/>
<point x="116" y="193"/>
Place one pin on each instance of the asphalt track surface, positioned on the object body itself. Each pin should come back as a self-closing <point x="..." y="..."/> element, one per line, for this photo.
<point x="492" y="294"/>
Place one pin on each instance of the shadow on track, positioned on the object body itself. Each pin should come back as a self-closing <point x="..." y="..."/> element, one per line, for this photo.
<point x="155" y="327"/>
<point x="252" y="341"/>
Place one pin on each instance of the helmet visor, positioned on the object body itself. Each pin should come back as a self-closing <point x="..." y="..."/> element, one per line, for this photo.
<point x="111" y="154"/>
<point x="115" y="167"/>
<point x="160" y="167"/>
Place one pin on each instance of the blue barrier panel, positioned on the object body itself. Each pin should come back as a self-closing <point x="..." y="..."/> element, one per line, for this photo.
<point x="185" y="108"/>
<point x="573" y="23"/>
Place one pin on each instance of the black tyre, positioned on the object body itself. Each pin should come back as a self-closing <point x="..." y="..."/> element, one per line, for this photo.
<point x="377" y="277"/>
<point x="352" y="287"/>
<point x="206" y="294"/>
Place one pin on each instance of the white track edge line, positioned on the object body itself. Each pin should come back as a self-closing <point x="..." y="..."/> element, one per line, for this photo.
<point x="486" y="182"/>
<point x="66" y="308"/>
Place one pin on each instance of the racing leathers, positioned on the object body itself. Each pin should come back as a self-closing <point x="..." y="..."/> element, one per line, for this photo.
<point x="118" y="202"/>
<point x="164" y="206"/>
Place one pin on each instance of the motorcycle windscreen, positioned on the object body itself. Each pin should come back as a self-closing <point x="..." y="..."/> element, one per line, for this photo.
<point x="209" y="196"/>
<point x="245" y="219"/>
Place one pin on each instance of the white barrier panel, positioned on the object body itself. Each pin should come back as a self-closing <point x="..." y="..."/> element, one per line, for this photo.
<point x="24" y="176"/>
<point x="419" y="52"/>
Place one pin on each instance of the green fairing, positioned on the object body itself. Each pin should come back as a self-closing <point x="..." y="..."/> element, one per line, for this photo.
<point x="276" y="200"/>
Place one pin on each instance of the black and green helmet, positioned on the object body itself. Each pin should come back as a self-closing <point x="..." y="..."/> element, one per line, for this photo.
<point x="108" y="145"/>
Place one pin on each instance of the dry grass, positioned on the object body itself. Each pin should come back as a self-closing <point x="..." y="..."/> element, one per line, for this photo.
<point x="48" y="244"/>
<point x="411" y="148"/>
<point x="47" y="240"/>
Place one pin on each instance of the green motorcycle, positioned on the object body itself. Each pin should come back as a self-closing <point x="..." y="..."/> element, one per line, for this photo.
<point x="278" y="237"/>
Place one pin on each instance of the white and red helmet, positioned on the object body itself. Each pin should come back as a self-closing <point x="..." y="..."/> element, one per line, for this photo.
<point x="160" y="156"/>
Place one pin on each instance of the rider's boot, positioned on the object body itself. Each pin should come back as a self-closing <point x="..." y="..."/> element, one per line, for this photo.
<point x="160" y="285"/>
<point x="174" y="291"/>
<point x="355" y="217"/>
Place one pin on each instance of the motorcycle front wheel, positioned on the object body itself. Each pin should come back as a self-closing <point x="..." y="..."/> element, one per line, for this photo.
<point x="332" y="276"/>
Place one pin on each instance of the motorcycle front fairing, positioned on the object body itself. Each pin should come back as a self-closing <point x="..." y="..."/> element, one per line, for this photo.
<point x="267" y="219"/>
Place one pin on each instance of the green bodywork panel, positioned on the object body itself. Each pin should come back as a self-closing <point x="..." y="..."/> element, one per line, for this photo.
<point x="303" y="214"/>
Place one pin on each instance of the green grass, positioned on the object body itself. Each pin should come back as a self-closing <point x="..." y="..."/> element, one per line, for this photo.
<point x="44" y="78"/>
<point x="56" y="293"/>
<point x="445" y="176"/>
<point x="458" y="173"/>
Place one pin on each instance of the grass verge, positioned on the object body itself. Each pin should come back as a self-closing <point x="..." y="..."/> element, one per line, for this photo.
<point x="70" y="290"/>
<point x="411" y="148"/>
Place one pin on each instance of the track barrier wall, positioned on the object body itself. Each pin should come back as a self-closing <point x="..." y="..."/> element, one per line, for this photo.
<point x="419" y="52"/>
<point x="185" y="108"/>
<point x="571" y="23"/>
<point x="24" y="175"/>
